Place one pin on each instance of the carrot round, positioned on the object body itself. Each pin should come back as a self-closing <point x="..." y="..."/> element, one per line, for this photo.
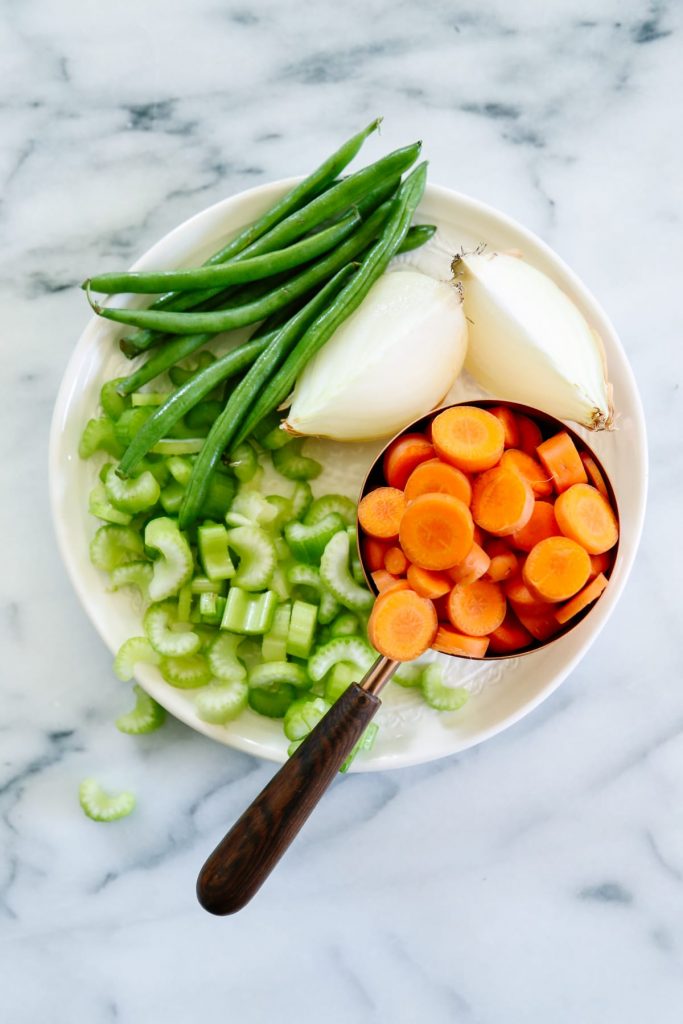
<point x="519" y="595"/>
<point x="395" y="561"/>
<point x="468" y="437"/>
<point x="509" y="423"/>
<point x="556" y="568"/>
<point x="561" y="458"/>
<point x="380" y="512"/>
<point x="475" y="563"/>
<point x="374" y="551"/>
<point x="504" y="562"/>
<point x="510" y="636"/>
<point x="530" y="435"/>
<point x="436" y="531"/>
<point x="594" y="474"/>
<point x="540" y="622"/>
<point x="449" y="642"/>
<point x="476" y="608"/>
<point x="403" y="455"/>
<point x="542" y="524"/>
<point x="591" y="592"/>
<point x="584" y="515"/>
<point x="402" y="624"/>
<point x="531" y="469"/>
<point x="599" y="563"/>
<point x="502" y="501"/>
<point x="385" y="582"/>
<point x="437" y="477"/>
<point x="428" y="583"/>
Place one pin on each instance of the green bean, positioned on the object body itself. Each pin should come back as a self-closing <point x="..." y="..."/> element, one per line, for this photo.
<point x="249" y="313"/>
<point x="418" y="235"/>
<point x="350" y="191"/>
<point x="241" y="398"/>
<point x="372" y="267"/>
<point x="233" y="272"/>
<point x="186" y="397"/>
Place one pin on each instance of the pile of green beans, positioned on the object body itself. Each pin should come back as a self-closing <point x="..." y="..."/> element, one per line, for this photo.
<point x="299" y="270"/>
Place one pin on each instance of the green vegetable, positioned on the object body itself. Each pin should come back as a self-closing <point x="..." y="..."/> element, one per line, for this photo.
<point x="219" y="704"/>
<point x="211" y="608"/>
<point x="212" y="539"/>
<point x="101" y="806"/>
<point x="366" y="742"/>
<point x="346" y="648"/>
<point x="335" y="574"/>
<point x="223" y="660"/>
<point x="158" y="623"/>
<point x="276" y="673"/>
<point x="251" y="614"/>
<point x="339" y="678"/>
<point x="302" y="626"/>
<point x="132" y="574"/>
<point x="329" y="504"/>
<point x="100" y="507"/>
<point x="131" y="652"/>
<point x="112" y="403"/>
<point x="113" y="545"/>
<point x="220" y="275"/>
<point x="257" y="557"/>
<point x="290" y="463"/>
<point x="99" y="435"/>
<point x="440" y="694"/>
<point x="174" y="568"/>
<point x="271" y="703"/>
<point x="302" y="717"/>
<point x="302" y="496"/>
<point x="133" y="495"/>
<point x="186" y="673"/>
<point x="345" y="624"/>
<point x="244" y="461"/>
<point x="307" y="543"/>
<point x="145" y="717"/>
<point x="274" y="647"/>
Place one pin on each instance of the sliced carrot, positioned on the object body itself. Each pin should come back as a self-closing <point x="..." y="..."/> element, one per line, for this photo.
<point x="476" y="608"/>
<point x="380" y="512"/>
<point x="541" y="623"/>
<point x="475" y="563"/>
<point x="600" y="563"/>
<point x="520" y="597"/>
<point x="436" y="531"/>
<point x="594" y="474"/>
<point x="382" y="579"/>
<point x="395" y="561"/>
<point x="584" y="515"/>
<point x="531" y="469"/>
<point x="591" y="592"/>
<point x="449" y="642"/>
<point x="561" y="458"/>
<point x="503" y="565"/>
<point x="510" y="636"/>
<point x="403" y="455"/>
<point x="437" y="477"/>
<point x="502" y="501"/>
<point x="541" y="525"/>
<point x="374" y="551"/>
<point x="428" y="583"/>
<point x="509" y="422"/>
<point x="556" y="568"/>
<point x="402" y="624"/>
<point x="468" y="437"/>
<point x="530" y="435"/>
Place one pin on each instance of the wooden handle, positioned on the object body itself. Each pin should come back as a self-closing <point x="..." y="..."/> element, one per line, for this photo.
<point x="243" y="860"/>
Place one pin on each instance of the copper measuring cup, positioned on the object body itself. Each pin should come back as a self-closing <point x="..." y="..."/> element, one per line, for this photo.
<point x="244" y="858"/>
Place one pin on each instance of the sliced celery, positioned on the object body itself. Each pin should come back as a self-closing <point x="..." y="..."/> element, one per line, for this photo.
<point x="203" y="585"/>
<point x="101" y="806"/>
<point x="276" y="673"/>
<point x="177" y="445"/>
<point x="211" y="608"/>
<point x="174" y="568"/>
<point x="307" y="543"/>
<point x="328" y="608"/>
<point x="100" y="435"/>
<point x="343" y="648"/>
<point x="302" y="717"/>
<point x="113" y="404"/>
<point x="100" y="507"/>
<point x="244" y="461"/>
<point x="301" y="499"/>
<point x="180" y="468"/>
<point x="145" y="717"/>
<point x="219" y="704"/>
<point x="247" y="613"/>
<point x="338" y="504"/>
<point x="302" y="626"/>
<point x="290" y="463"/>
<point x="339" y="678"/>
<point x="223" y="660"/>
<point x="158" y="623"/>
<point x="271" y="703"/>
<point x="134" y="494"/>
<point x="335" y="574"/>
<point x="346" y="624"/>
<point x="186" y="673"/>
<point x="113" y="545"/>
<point x="257" y="557"/>
<point x="132" y="574"/>
<point x="131" y="652"/>
<point x="171" y="497"/>
<point x="142" y="398"/>
<point x="440" y="694"/>
<point x="212" y="539"/>
<point x="274" y="646"/>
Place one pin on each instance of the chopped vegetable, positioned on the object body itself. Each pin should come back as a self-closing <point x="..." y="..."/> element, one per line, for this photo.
<point x="583" y="514"/>
<point x="145" y="717"/>
<point x="101" y="806"/>
<point x="556" y="568"/>
<point x="402" y="624"/>
<point x="470" y="438"/>
<point x="403" y="456"/>
<point x="436" y="531"/>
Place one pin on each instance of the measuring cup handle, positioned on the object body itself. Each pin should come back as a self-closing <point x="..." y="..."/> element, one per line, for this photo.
<point x="245" y="857"/>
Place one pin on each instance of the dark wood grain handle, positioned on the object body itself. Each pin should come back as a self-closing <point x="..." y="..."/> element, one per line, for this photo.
<point x="245" y="857"/>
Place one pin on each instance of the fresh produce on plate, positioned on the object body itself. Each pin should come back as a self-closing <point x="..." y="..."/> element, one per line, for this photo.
<point x="529" y="343"/>
<point x="497" y="545"/>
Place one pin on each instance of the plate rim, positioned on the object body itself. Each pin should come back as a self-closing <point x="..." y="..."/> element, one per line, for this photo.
<point x="389" y="761"/>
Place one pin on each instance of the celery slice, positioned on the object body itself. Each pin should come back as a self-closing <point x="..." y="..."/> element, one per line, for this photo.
<point x="158" y="623"/>
<point x="302" y="717"/>
<point x="335" y="574"/>
<point x="101" y="806"/>
<point x="132" y="651"/>
<point x="343" y="648"/>
<point x="302" y="626"/>
<point x="257" y="557"/>
<point x="113" y="545"/>
<point x="219" y="704"/>
<point x="174" y="568"/>
<point x="440" y="694"/>
<point x="145" y="717"/>
<point x="223" y="660"/>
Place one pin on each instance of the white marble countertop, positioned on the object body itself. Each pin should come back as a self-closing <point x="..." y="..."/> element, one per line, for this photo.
<point x="536" y="878"/>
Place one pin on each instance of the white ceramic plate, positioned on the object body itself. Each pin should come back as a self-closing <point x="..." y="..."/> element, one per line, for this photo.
<point x="502" y="692"/>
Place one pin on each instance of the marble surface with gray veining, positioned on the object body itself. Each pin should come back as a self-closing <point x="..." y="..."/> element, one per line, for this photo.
<point x="537" y="878"/>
